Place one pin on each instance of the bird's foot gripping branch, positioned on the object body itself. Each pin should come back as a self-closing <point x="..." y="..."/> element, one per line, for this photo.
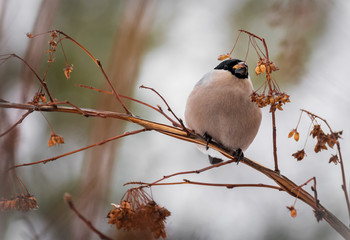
<point x="137" y="210"/>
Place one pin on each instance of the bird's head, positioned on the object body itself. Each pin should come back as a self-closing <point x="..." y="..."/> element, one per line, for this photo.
<point x="236" y="67"/>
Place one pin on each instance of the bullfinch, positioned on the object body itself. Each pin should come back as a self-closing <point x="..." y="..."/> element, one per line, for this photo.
<point x="220" y="110"/>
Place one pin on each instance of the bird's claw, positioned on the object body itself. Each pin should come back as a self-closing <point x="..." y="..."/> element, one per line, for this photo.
<point x="207" y="138"/>
<point x="238" y="154"/>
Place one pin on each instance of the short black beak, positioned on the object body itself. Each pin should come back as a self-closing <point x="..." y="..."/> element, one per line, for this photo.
<point x="241" y="72"/>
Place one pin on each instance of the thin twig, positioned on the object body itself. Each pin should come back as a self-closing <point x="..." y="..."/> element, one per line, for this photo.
<point x="67" y="103"/>
<point x="231" y="186"/>
<point x="42" y="82"/>
<point x="227" y="185"/>
<point x="234" y="45"/>
<point x="175" y="124"/>
<point x="313" y="189"/>
<point x="80" y="149"/>
<point x="68" y="200"/>
<point x="193" y="171"/>
<point x="17" y="123"/>
<point x="169" y="108"/>
<point x="274" y="137"/>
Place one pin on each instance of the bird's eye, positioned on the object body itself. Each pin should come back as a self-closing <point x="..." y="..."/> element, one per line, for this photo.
<point x="225" y="67"/>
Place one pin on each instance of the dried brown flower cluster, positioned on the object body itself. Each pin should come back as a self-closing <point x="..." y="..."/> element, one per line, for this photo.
<point x="294" y="133"/>
<point x="264" y="66"/>
<point x="293" y="211"/>
<point x="39" y="97"/>
<point x="299" y="155"/>
<point x="19" y="203"/>
<point x="55" y="139"/>
<point x="144" y="216"/>
<point x="52" y="45"/>
<point x="334" y="159"/>
<point x="67" y="70"/>
<point x="30" y="35"/>
<point x="323" y="139"/>
<point x="224" y="56"/>
<point x="276" y="100"/>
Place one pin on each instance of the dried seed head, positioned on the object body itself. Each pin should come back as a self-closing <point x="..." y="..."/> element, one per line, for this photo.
<point x="54" y="34"/>
<point x="275" y="99"/>
<point x="42" y="98"/>
<point x="224" y="56"/>
<point x="67" y="70"/>
<point x="296" y="136"/>
<point x="299" y="155"/>
<point x="30" y="35"/>
<point x="273" y="66"/>
<point x="263" y="68"/>
<point x="291" y="133"/>
<point x="334" y="159"/>
<point x="293" y="211"/>
<point x="316" y="131"/>
<point x="149" y="216"/>
<point x="257" y="70"/>
<point x="20" y="203"/>
<point x="55" y="139"/>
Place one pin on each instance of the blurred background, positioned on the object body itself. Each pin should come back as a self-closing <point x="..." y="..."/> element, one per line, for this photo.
<point x="169" y="46"/>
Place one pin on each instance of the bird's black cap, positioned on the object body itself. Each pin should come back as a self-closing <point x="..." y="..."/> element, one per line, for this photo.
<point x="229" y="65"/>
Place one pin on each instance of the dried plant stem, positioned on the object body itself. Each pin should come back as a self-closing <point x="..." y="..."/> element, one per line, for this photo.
<point x="257" y="37"/>
<point x="231" y="186"/>
<point x="270" y="84"/>
<point x="192" y="172"/>
<point x="283" y="182"/>
<point x="274" y="137"/>
<point x="169" y="108"/>
<point x="175" y="124"/>
<point x="42" y="82"/>
<point x="227" y="185"/>
<point x="344" y="186"/>
<point x="17" y="123"/>
<point x="80" y="149"/>
<point x="313" y="189"/>
<point x="70" y="203"/>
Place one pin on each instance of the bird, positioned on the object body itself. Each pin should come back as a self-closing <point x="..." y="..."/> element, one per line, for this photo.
<point x="219" y="109"/>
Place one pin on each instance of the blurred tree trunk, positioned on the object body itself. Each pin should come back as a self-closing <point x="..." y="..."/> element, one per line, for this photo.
<point x="9" y="143"/>
<point x="3" y="7"/>
<point x="98" y="166"/>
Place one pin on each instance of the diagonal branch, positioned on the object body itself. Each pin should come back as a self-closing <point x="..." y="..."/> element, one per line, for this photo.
<point x="80" y="149"/>
<point x="186" y="181"/>
<point x="68" y="199"/>
<point x="17" y="123"/>
<point x="42" y="82"/>
<point x="283" y="182"/>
